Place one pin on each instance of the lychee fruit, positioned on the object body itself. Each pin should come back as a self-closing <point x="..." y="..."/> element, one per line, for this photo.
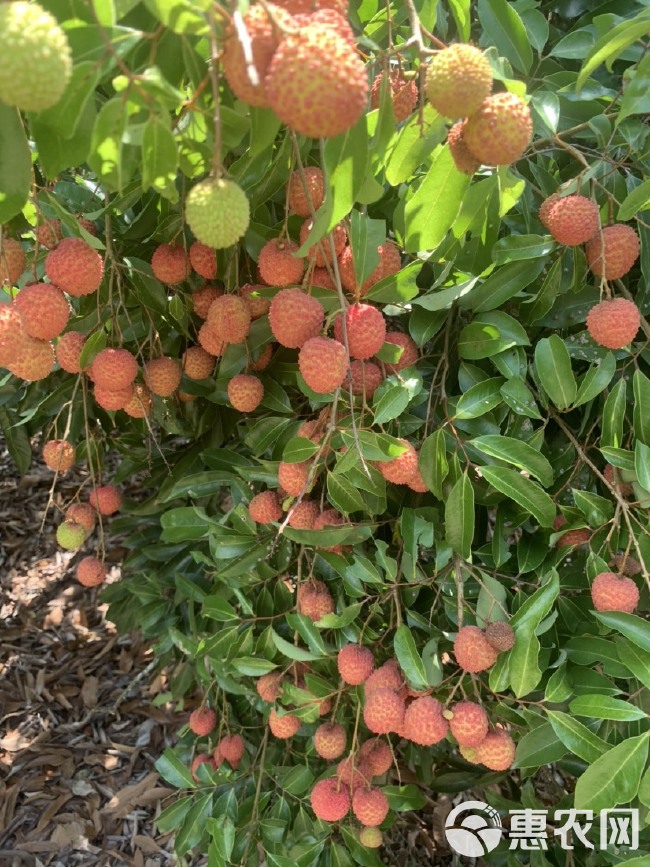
<point x="197" y="363"/>
<point x="300" y="193"/>
<point x="70" y="535"/>
<point x="424" y="723"/>
<point x="473" y="651"/>
<point x="402" y="468"/>
<point x="323" y="278"/>
<point x="203" y="297"/>
<point x="545" y="208"/>
<point x="387" y="676"/>
<point x="197" y="761"/>
<point x="33" y="359"/>
<point x="314" y="600"/>
<point x="295" y="317"/>
<point x="500" y="635"/>
<point x="330" y="800"/>
<point x="383" y="711"/>
<point x="330" y="740"/>
<point x="170" y="264"/>
<point x="12" y="261"/>
<point x="323" y="363"/>
<point x="204" y="260"/>
<point x="217" y="211"/>
<point x="614" y="323"/>
<point x="329" y="518"/>
<point x="612" y="475"/>
<point x="409" y="349"/>
<point x="370" y="806"/>
<point x="49" y="233"/>
<point x="263" y="360"/>
<point x="612" y="592"/>
<point x="612" y="251"/>
<point x="404" y="94"/>
<point x="500" y="131"/>
<point x="365" y="378"/>
<point x="44" y="310"/>
<point x="278" y="265"/>
<point x="416" y="482"/>
<point x="229" y="318"/>
<point x="283" y="727"/>
<point x="572" y="537"/>
<point x="377" y="755"/>
<point x="355" y="664"/>
<point x="258" y="305"/>
<point x="459" y="78"/>
<point x="68" y="351"/>
<point x="628" y="565"/>
<point x="265" y="508"/>
<point x="269" y="686"/>
<point x="91" y="572"/>
<point x="82" y="514"/>
<point x="371" y="838"/>
<point x="107" y="499"/>
<point x="321" y="252"/>
<point x="293" y="477"/>
<point x="87" y="225"/>
<point x="389" y="263"/>
<point x="353" y="773"/>
<point x="12" y="334"/>
<point x="59" y="455"/>
<point x="463" y="158"/>
<point x="232" y="749"/>
<point x="114" y="369"/>
<point x="366" y="330"/>
<point x="210" y="341"/>
<point x="36" y="59"/>
<point x="162" y="375"/>
<point x="573" y="220"/>
<point x="496" y="751"/>
<point x="326" y="13"/>
<point x="468" y="723"/>
<point x="245" y="392"/>
<point x="202" y="721"/>
<point x="303" y="515"/>
<point x="316" y="83"/>
<point x="113" y="400"/>
<point x="75" y="267"/>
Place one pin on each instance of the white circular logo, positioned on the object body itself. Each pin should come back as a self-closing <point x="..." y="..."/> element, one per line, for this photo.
<point x="475" y="834"/>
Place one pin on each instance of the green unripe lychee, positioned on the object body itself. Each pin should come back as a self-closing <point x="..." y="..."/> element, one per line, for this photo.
<point x="372" y="838"/>
<point x="218" y="212"/>
<point x="35" y="59"/>
<point x="70" y="535"/>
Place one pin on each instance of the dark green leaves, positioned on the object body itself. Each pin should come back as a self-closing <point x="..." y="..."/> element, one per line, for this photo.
<point x="459" y="517"/>
<point x="553" y="365"/>
<point x="524" y="492"/>
<point x="15" y="164"/>
<point x="614" y="778"/>
<point x="505" y="29"/>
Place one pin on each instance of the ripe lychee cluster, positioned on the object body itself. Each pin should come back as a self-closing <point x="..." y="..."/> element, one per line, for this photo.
<point x="403" y="93"/>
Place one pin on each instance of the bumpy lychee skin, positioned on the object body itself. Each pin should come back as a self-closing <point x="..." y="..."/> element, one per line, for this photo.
<point x="304" y="515"/>
<point x="314" y="600"/>
<point x="404" y="94"/>
<point x="82" y="514"/>
<point x="197" y="761"/>
<point x="293" y="477"/>
<point x="68" y="351"/>
<point x="49" y="233"/>
<point x="203" y="297"/>
<point x="613" y="477"/>
<point x="459" y="78"/>
<point x="59" y="455"/>
<point x="580" y="536"/>
<point x="91" y="572"/>
<point x="387" y="676"/>
<point x="278" y="265"/>
<point x="500" y="635"/>
<point x="371" y="838"/>
<point x="44" y="310"/>
<point x="258" y="305"/>
<point x="269" y="686"/>
<point x="402" y="469"/>
<point x="230" y="318"/>
<point x="327" y="14"/>
<point x="614" y="323"/>
<point x="409" y="349"/>
<point x="114" y="369"/>
<point x="12" y="333"/>
<point x="330" y="740"/>
<point x="366" y="330"/>
<point x="300" y="198"/>
<point x="265" y="508"/>
<point x="203" y="260"/>
<point x="232" y="749"/>
<point x="377" y="755"/>
<point x="202" y="721"/>
<point x="366" y="378"/>
<point x="283" y="727"/>
<point x="330" y="801"/>
<point x="370" y="806"/>
<point x="389" y="263"/>
<point x="321" y="252"/>
<point x="218" y="212"/>
<point x="323" y="363"/>
<point x="383" y="711"/>
<point x="355" y="664"/>
<point x="573" y="220"/>
<point x="210" y="340"/>
<point x="496" y="751"/>
<point x="35" y="57"/>
<point x="500" y="131"/>
<point x="70" y="535"/>
<point x="170" y="264"/>
<point x="88" y="225"/>
<point x="424" y="723"/>
<point x="468" y="723"/>
<point x="12" y="261"/>
<point x="416" y="482"/>
<point x="75" y="267"/>
<point x="463" y="158"/>
<point x="612" y="251"/>
<point x="545" y="208"/>
<point x="612" y="592"/>
<point x="295" y="317"/>
<point x="113" y="400"/>
<point x="106" y="499"/>
<point x="473" y="651"/>
<point x="245" y="392"/>
<point x="162" y="375"/>
<point x="33" y="360"/>
<point x="197" y="363"/>
<point x="316" y="83"/>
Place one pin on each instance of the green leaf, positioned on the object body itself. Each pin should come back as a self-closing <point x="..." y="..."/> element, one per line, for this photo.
<point x="596" y="379"/>
<point x="613" y="42"/>
<point x="605" y="707"/>
<point x="524" y="492"/>
<point x="635" y="660"/>
<point x="404" y="798"/>
<point x="409" y="659"/>
<point x="518" y="453"/>
<point x="614" y="778"/>
<point x="159" y="157"/>
<point x="365" y="237"/>
<point x="577" y="737"/>
<point x="613" y="418"/>
<point x="172" y="769"/>
<point x="95" y="343"/>
<point x="641" y="420"/>
<point x="519" y="398"/>
<point x="218" y="608"/>
<point x="642" y="464"/>
<point x="525" y="673"/>
<point x="299" y="449"/>
<point x="637" y="200"/>
<point x="15" y="164"/>
<point x="391" y="404"/>
<point x="459" y="517"/>
<point x="506" y="30"/>
<point x="515" y="247"/>
<point x="17" y="441"/>
<point x="343" y="495"/>
<point x="193" y="825"/>
<point x="479" y="399"/>
<point x="107" y="143"/>
<point x="65" y="116"/>
<point x="553" y="365"/>
<point x="291" y="651"/>
<point x="502" y="285"/>
<point x="433" y="462"/>
<point x="634" y="628"/>
<point x="172" y="816"/>
<point x="346" y="158"/>
<point x="538" y="747"/>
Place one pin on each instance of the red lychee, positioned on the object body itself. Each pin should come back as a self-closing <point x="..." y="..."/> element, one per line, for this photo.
<point x="417" y="483"/>
<point x="258" y="305"/>
<point x="283" y="727"/>
<point x="230" y="318"/>
<point x="612" y="475"/>
<point x="612" y="251"/>
<point x="496" y="751"/>
<point x="370" y="806"/>
<point x="330" y="518"/>
<point x="265" y="507"/>
<point x="330" y="740"/>
<point x="88" y="225"/>
<point x="612" y="592"/>
<point x="387" y="676"/>
<point x="366" y="378"/>
<point x="545" y="208"/>
<point x="389" y="263"/>
<point x="314" y="600"/>
<point x="295" y="317"/>
<point x="91" y="572"/>
<point x="304" y="515"/>
<point x="463" y="158"/>
<point x="202" y="721"/>
<point x="330" y="800"/>
<point x="48" y="233"/>
<point x="106" y="499"/>
<point x="113" y="400"/>
<point x="68" y="351"/>
<point x="269" y="686"/>
<point x="614" y="323"/>
<point x="300" y="194"/>
<point x="424" y="723"/>
<point x="232" y="749"/>
<point x="33" y="359"/>
<point x="12" y="334"/>
<point x="203" y="297"/>
<point x="377" y="755"/>
<point x="293" y="477"/>
<point x="139" y="406"/>
<point x="12" y="261"/>
<point x="210" y="341"/>
<point x="326" y="16"/>
<point x="366" y="330"/>
<point x="355" y="664"/>
<point x="573" y="220"/>
<point x="409" y="351"/>
<point x="500" y="635"/>
<point x="75" y="267"/>
<point x="197" y="363"/>
<point x="500" y="131"/>
<point x="581" y="536"/>
<point x="628" y="565"/>
<point x="201" y="759"/>
<point x="263" y="360"/>
<point x="82" y="514"/>
<point x="473" y="651"/>
<point x="170" y="264"/>
<point x="383" y="711"/>
<point x="278" y="265"/>
<point x="204" y="260"/>
<point x="323" y="278"/>
<point x="404" y="94"/>
<point x="468" y="723"/>
<point x="245" y="392"/>
<point x="59" y="455"/>
<point x="323" y="363"/>
<point x="321" y="252"/>
<point x="402" y="468"/>
<point x="162" y="375"/>
<point x="114" y="369"/>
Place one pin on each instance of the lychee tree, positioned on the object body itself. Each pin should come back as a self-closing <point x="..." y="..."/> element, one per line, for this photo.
<point x="351" y="302"/>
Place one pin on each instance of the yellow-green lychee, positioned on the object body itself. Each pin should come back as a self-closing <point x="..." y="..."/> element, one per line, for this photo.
<point x="218" y="212"/>
<point x="70" y="535"/>
<point x="459" y="78"/>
